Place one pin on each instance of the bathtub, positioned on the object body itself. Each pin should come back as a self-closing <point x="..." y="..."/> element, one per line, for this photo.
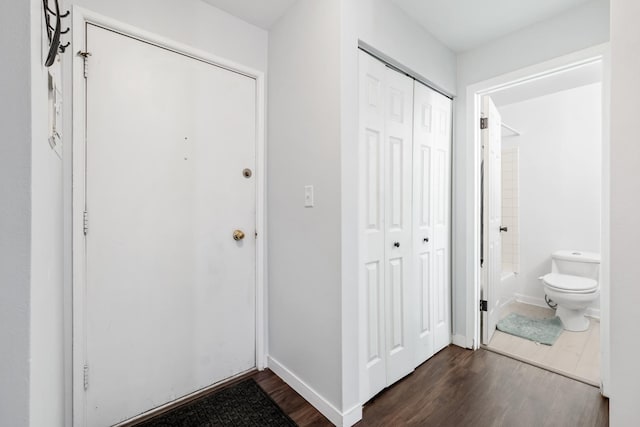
<point x="507" y="275"/>
<point x="508" y="287"/>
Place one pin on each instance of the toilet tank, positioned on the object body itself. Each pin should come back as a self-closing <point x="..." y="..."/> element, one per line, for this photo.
<point x="576" y="263"/>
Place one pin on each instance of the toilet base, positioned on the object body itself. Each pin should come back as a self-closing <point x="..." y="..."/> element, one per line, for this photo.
<point x="573" y="320"/>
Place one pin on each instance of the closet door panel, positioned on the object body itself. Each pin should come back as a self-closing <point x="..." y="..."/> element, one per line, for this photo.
<point x="431" y="218"/>
<point x="423" y="239"/>
<point x="423" y="283"/>
<point x="442" y="218"/>
<point x="399" y="309"/>
<point x="372" y="217"/>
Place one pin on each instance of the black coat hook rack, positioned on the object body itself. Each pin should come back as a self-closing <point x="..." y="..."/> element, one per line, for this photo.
<point x="54" y="32"/>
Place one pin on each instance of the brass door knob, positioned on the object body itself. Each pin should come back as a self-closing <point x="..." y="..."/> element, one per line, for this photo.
<point x="238" y="235"/>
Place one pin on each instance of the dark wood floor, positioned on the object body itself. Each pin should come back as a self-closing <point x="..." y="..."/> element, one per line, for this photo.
<point x="460" y="387"/>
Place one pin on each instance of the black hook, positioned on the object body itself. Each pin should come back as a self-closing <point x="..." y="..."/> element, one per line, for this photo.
<point x="53" y="33"/>
<point x="55" y="39"/>
<point x="64" y="15"/>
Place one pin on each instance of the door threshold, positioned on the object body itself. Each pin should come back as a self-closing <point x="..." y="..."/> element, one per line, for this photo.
<point x="184" y="400"/>
<point x="541" y="366"/>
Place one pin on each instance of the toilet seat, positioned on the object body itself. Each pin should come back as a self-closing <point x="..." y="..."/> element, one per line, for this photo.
<point x="570" y="284"/>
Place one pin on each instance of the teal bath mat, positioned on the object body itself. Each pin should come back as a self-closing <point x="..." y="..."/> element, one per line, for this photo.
<point x="543" y="331"/>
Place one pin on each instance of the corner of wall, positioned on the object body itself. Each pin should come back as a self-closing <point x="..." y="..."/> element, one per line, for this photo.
<point x="340" y="418"/>
<point x="625" y="163"/>
<point x="306" y="290"/>
<point x="47" y="327"/>
<point x="460" y="341"/>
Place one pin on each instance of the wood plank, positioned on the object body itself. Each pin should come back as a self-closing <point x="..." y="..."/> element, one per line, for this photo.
<point x="290" y="401"/>
<point x="459" y="387"/>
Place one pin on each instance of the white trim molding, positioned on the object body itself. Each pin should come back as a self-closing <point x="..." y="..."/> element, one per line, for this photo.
<point x="460" y="341"/>
<point x="75" y="167"/>
<point x="337" y="417"/>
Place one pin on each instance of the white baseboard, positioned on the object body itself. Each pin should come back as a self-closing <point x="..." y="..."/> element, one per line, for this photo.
<point x="459" y="340"/>
<point x="340" y="419"/>
<point x="352" y="416"/>
<point x="593" y="312"/>
<point x="506" y="301"/>
<point x="526" y="299"/>
<point x="540" y="302"/>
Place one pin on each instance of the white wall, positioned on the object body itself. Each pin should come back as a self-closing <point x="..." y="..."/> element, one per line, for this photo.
<point x="579" y="28"/>
<point x="304" y="149"/>
<point x="47" y="397"/>
<point x="559" y="178"/>
<point x="349" y="216"/>
<point x="384" y="26"/>
<point x="15" y="210"/>
<point x="625" y="233"/>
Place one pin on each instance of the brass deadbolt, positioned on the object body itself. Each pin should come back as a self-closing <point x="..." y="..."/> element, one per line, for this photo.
<point x="247" y="173"/>
<point x="238" y="235"/>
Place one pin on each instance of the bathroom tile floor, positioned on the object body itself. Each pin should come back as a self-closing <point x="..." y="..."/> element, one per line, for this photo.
<point x="574" y="354"/>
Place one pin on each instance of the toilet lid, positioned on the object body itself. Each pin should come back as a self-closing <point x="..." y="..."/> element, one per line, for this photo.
<point x="568" y="283"/>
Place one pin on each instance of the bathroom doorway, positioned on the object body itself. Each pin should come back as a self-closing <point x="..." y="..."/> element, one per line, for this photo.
<point x="543" y="168"/>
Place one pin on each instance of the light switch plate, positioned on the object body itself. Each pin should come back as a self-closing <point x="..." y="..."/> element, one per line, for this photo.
<point x="308" y="196"/>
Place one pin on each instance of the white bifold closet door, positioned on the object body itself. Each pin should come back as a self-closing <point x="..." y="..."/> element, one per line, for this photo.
<point x="432" y="218"/>
<point x="386" y="116"/>
<point x="404" y="199"/>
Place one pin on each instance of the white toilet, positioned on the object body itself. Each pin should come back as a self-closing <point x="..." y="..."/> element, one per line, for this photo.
<point x="573" y="285"/>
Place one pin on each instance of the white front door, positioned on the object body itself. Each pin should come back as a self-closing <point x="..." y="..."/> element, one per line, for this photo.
<point x="431" y="218"/>
<point x="169" y="294"/>
<point x="492" y="216"/>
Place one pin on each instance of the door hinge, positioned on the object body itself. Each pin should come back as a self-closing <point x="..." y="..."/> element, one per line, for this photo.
<point x="85" y="58"/>
<point x="484" y="122"/>
<point x="483" y="305"/>
<point x="85" y="374"/>
<point x="85" y="222"/>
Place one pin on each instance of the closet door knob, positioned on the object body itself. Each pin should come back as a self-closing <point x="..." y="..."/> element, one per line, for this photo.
<point x="425" y="240"/>
<point x="396" y="244"/>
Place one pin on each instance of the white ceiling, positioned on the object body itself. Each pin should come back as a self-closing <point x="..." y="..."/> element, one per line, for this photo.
<point x="459" y="24"/>
<point x="262" y="13"/>
<point x="465" y="24"/>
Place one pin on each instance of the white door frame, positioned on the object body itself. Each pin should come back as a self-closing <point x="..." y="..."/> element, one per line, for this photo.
<point x="75" y="168"/>
<point x="472" y="245"/>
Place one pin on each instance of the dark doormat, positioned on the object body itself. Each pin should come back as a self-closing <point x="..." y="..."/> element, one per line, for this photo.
<point x="244" y="404"/>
